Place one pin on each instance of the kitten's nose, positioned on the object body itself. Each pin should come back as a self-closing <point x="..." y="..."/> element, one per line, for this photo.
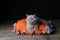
<point x="30" y="21"/>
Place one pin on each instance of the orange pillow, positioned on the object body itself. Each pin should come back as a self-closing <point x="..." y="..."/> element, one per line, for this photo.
<point x="21" y="25"/>
<point x="42" y="27"/>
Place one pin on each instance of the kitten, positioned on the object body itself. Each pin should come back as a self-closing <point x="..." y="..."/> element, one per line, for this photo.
<point x="31" y="22"/>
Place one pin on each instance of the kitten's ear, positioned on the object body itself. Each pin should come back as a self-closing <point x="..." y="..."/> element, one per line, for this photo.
<point x="27" y="15"/>
<point x="34" y="14"/>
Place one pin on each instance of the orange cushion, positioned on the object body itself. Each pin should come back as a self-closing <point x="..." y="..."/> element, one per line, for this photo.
<point x="21" y="25"/>
<point x="42" y="27"/>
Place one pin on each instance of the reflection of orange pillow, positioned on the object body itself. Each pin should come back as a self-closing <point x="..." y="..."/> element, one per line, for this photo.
<point x="21" y="25"/>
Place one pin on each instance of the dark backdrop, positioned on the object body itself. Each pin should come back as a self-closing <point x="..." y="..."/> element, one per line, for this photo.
<point x="17" y="9"/>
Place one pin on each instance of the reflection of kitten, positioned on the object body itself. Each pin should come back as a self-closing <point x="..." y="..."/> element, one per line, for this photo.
<point x="31" y="22"/>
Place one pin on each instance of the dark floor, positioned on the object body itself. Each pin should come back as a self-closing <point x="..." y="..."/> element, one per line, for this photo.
<point x="6" y="34"/>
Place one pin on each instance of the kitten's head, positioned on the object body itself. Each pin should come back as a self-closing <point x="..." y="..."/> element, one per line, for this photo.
<point x="31" y="19"/>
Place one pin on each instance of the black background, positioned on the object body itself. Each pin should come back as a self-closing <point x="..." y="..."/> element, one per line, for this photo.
<point x="17" y="9"/>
